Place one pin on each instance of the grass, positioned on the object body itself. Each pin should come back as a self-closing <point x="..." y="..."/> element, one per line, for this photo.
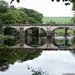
<point x="61" y="31"/>
<point x="58" y="20"/>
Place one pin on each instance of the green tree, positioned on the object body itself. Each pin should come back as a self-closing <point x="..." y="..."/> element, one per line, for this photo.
<point x="12" y="7"/>
<point x="73" y="7"/>
<point x="39" y="71"/>
<point x="16" y="15"/>
<point x="37" y="16"/>
<point x="1" y="22"/>
<point x="8" y="18"/>
<point x="24" y="17"/>
<point x="33" y="16"/>
<point x="32" y="20"/>
<point x="3" y="9"/>
<point x="50" y="22"/>
<point x="12" y="15"/>
<point x="3" y="6"/>
<point x="73" y="18"/>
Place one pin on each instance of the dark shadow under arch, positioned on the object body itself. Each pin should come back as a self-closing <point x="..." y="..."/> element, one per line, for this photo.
<point x="34" y="36"/>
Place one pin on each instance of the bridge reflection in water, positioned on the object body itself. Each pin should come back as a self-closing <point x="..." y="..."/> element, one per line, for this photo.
<point x="45" y="43"/>
<point x="48" y="37"/>
<point x="53" y="43"/>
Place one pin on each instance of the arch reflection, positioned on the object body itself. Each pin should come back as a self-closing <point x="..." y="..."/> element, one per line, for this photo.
<point x="11" y="41"/>
<point x="11" y="31"/>
<point x="38" y="37"/>
<point x="63" y="37"/>
<point x="35" y="37"/>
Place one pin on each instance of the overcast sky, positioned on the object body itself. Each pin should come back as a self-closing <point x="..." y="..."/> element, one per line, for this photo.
<point x="46" y="7"/>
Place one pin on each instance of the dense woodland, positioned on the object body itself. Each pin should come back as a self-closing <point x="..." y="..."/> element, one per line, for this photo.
<point x="12" y="15"/>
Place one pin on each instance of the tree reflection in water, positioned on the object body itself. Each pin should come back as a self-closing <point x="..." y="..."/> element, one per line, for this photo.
<point x="39" y="71"/>
<point x="10" y="56"/>
<point x="11" y="41"/>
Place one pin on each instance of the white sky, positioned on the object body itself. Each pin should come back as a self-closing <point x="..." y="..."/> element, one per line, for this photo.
<point x="46" y="7"/>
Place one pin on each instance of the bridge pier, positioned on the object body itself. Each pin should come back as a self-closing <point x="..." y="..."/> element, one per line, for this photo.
<point x="65" y="36"/>
<point x="29" y="36"/>
<point x="39" y="36"/>
<point x="49" y="33"/>
<point x="22" y="37"/>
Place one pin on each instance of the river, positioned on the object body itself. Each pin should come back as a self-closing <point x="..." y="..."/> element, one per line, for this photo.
<point x="53" y="62"/>
<point x="27" y="62"/>
<point x="38" y="62"/>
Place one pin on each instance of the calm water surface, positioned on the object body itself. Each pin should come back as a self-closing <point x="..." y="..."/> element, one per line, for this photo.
<point x="54" y="62"/>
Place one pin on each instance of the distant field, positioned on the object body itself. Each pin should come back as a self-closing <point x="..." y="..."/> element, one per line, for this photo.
<point x="58" y="20"/>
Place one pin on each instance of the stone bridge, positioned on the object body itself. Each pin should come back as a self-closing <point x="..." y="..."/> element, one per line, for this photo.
<point x="47" y="27"/>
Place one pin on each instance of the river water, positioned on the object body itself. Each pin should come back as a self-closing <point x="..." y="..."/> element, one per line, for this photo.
<point x="52" y="62"/>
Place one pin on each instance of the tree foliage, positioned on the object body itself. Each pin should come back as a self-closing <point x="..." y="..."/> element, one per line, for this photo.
<point x="12" y="15"/>
<point x="50" y="22"/>
<point x="10" y="56"/>
<point x="33" y="16"/>
<point x="39" y="71"/>
<point x="3" y="7"/>
<point x="73" y="18"/>
<point x="67" y="2"/>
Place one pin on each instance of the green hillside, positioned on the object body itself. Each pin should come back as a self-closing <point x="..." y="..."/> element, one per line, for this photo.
<point x="58" y="20"/>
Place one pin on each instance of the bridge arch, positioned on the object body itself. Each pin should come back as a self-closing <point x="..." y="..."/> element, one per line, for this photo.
<point x="39" y="29"/>
<point x="15" y="27"/>
<point x="27" y="27"/>
<point x="7" y="30"/>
